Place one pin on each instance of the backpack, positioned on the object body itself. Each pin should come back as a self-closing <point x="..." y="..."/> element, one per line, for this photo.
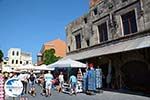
<point x="32" y="77"/>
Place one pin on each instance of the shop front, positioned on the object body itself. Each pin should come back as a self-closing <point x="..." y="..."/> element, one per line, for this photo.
<point x="125" y="64"/>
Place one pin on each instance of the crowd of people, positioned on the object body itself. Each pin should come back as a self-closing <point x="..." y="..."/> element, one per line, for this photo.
<point x="27" y="79"/>
<point x="47" y="80"/>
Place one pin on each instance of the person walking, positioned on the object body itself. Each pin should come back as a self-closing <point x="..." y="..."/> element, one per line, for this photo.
<point x="41" y="82"/>
<point x="24" y="79"/>
<point x="73" y="82"/>
<point x="61" y="81"/>
<point x="48" y="79"/>
<point x="32" y="78"/>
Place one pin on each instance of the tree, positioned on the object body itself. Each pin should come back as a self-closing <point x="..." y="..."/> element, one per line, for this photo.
<point x="49" y="57"/>
<point x="1" y="56"/>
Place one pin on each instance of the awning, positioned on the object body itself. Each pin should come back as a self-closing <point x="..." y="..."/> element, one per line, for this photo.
<point x="64" y="63"/>
<point x="133" y="44"/>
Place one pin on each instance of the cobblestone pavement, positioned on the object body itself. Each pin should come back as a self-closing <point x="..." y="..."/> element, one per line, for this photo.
<point x="81" y="96"/>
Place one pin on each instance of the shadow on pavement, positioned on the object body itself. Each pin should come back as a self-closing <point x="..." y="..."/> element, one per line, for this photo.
<point x="126" y="91"/>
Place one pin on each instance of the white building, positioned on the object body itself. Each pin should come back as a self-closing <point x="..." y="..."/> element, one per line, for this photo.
<point x="17" y="58"/>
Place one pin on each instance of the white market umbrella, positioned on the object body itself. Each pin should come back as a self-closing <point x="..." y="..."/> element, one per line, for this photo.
<point x="7" y="69"/>
<point x="64" y="63"/>
<point x="26" y="67"/>
<point x="44" y="67"/>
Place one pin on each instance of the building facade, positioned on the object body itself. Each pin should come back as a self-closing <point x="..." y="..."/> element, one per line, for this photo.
<point x="18" y="58"/>
<point x="58" y="45"/>
<point x="115" y="36"/>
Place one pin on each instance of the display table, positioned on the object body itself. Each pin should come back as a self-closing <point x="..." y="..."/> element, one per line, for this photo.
<point x="79" y="87"/>
<point x="66" y="88"/>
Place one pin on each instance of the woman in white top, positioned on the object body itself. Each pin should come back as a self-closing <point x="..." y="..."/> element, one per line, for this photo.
<point x="61" y="80"/>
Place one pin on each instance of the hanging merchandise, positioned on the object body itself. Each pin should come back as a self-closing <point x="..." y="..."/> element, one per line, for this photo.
<point x="98" y="78"/>
<point x="85" y="82"/>
<point x="91" y="80"/>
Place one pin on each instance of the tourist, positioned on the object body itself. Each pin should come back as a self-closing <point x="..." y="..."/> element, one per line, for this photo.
<point x="32" y="78"/>
<point x="61" y="81"/>
<point x="24" y="79"/>
<point x="73" y="82"/>
<point x="48" y="79"/>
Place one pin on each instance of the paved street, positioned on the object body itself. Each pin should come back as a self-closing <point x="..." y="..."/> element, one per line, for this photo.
<point x="102" y="96"/>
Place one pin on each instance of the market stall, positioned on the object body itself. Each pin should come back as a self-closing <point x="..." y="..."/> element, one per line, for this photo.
<point x="69" y="63"/>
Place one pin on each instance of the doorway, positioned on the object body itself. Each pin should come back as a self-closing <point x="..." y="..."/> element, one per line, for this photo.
<point x="136" y="75"/>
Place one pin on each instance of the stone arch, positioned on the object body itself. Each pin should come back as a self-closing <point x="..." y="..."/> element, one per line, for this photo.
<point x="135" y="75"/>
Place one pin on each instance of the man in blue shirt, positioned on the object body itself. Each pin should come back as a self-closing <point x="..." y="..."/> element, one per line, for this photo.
<point x="73" y="82"/>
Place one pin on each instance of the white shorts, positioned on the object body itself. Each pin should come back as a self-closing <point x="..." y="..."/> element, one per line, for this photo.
<point x="48" y="85"/>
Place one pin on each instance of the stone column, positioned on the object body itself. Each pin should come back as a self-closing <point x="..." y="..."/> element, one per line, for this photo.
<point x="109" y="75"/>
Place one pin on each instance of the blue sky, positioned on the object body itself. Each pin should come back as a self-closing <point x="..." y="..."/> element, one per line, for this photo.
<point x="27" y="24"/>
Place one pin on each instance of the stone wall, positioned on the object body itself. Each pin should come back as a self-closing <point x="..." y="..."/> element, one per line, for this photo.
<point x="108" y="11"/>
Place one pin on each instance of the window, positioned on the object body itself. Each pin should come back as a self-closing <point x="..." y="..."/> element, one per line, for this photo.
<point x="129" y="23"/>
<point x="95" y="11"/>
<point x="88" y="42"/>
<point x="16" y="61"/>
<point x="20" y="62"/>
<point x="39" y="58"/>
<point x="85" y="20"/>
<point x="124" y="0"/>
<point x="12" y="62"/>
<point x="78" y="41"/>
<point x="69" y="48"/>
<point x="103" y="35"/>
<point x="27" y="62"/>
<point x="17" y="53"/>
<point x="13" y="53"/>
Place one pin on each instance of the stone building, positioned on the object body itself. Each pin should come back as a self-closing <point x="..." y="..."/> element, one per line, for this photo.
<point x="115" y="36"/>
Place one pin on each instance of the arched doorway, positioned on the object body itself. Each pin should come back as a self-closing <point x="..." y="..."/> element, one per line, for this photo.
<point x="136" y="75"/>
